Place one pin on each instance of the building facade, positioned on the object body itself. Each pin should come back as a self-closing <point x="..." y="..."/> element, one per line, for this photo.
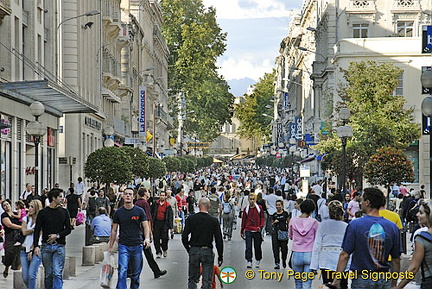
<point x="338" y="32"/>
<point x="86" y="62"/>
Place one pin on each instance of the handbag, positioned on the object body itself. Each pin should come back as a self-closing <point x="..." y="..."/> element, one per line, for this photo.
<point x="79" y="219"/>
<point x="282" y="235"/>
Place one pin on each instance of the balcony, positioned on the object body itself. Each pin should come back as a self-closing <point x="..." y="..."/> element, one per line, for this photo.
<point x="405" y="6"/>
<point x="25" y="17"/>
<point x="111" y="17"/>
<point x="5" y="9"/>
<point x="361" y="7"/>
<point x="111" y="71"/>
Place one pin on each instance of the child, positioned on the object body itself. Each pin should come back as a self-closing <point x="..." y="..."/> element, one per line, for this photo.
<point x="216" y="273"/>
<point x="21" y="210"/>
<point x="21" y="213"/>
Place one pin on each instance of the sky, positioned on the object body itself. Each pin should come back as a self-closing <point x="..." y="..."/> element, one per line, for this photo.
<point x="255" y="30"/>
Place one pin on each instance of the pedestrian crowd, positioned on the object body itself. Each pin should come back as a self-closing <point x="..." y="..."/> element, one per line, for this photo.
<point x="330" y="231"/>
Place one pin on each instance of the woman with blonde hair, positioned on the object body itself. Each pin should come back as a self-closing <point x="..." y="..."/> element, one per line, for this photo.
<point x="328" y="242"/>
<point x="422" y="256"/>
<point x="30" y="263"/>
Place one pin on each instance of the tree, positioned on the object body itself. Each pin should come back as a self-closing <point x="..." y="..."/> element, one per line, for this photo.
<point x="172" y="164"/>
<point x="108" y="164"/>
<point x="378" y="117"/>
<point x="250" y="113"/>
<point x="157" y="168"/>
<point x="140" y="161"/>
<point x="195" y="42"/>
<point x="389" y="165"/>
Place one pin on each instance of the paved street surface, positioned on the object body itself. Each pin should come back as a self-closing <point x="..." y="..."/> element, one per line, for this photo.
<point x="176" y="265"/>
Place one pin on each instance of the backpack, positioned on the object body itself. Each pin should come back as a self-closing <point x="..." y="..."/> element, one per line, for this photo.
<point x="227" y="208"/>
<point x="214" y="205"/>
<point x="411" y="215"/>
<point x="91" y="208"/>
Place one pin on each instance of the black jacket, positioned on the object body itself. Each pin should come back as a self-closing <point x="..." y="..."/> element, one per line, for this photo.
<point x="168" y="219"/>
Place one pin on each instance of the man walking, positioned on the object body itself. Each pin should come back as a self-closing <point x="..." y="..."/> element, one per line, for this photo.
<point x="54" y="222"/>
<point x="252" y="222"/>
<point x="203" y="228"/>
<point x="162" y="223"/>
<point x="370" y="240"/>
<point x="133" y="224"/>
<point x="143" y="196"/>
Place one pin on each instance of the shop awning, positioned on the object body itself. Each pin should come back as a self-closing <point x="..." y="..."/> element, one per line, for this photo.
<point x="215" y="160"/>
<point x="58" y="100"/>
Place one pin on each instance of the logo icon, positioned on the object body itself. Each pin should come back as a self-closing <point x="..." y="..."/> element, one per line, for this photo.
<point x="228" y="275"/>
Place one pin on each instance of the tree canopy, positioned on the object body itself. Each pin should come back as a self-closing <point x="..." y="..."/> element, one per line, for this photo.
<point x="195" y="41"/>
<point x="379" y="118"/>
<point x="250" y="113"/>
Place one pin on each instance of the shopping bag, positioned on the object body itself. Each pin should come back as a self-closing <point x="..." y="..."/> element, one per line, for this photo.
<point x="79" y="219"/>
<point x="107" y="270"/>
<point x="178" y="226"/>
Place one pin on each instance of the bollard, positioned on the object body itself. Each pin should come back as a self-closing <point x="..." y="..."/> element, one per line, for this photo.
<point x="72" y="266"/>
<point x="66" y="269"/>
<point x="88" y="256"/>
<point x="98" y="253"/>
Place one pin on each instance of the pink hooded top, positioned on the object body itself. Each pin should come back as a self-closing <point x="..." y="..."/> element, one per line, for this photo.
<point x="302" y="231"/>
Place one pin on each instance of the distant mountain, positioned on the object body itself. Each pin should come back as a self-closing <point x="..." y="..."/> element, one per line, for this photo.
<point x="239" y="86"/>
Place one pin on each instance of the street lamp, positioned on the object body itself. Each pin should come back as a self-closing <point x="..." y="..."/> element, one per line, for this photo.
<point x="37" y="130"/>
<point x="344" y="132"/>
<point x="426" y="108"/>
<point x="109" y="132"/>
<point x="311" y="51"/>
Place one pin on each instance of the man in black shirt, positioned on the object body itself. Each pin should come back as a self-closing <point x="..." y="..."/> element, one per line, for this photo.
<point x="203" y="228"/>
<point x="54" y="222"/>
<point x="133" y="225"/>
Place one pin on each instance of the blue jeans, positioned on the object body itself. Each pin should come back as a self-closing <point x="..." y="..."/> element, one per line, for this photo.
<point x="129" y="256"/>
<point x="257" y="240"/>
<point x="53" y="259"/>
<point x="300" y="262"/>
<point x="30" y="269"/>
<point x="204" y="257"/>
<point x="361" y="283"/>
<point x="181" y="215"/>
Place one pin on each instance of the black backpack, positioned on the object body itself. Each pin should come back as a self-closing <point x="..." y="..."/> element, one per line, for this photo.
<point x="411" y="215"/>
<point x="91" y="205"/>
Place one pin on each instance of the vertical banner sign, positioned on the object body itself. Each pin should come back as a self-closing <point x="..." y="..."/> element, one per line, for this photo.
<point x="279" y="133"/>
<point x="141" y="118"/>
<point x="292" y="130"/>
<point x="426" y="39"/>
<point x="286" y="100"/>
<point x="426" y="90"/>
<point x="298" y="127"/>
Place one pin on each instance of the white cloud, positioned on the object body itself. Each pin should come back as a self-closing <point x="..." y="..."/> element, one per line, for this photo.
<point x="246" y="66"/>
<point x="246" y="9"/>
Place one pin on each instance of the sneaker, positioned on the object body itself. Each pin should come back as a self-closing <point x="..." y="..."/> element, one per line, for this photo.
<point x="257" y="265"/>
<point x="158" y="255"/>
<point x="249" y="264"/>
<point x="17" y="244"/>
<point x="165" y="253"/>
<point x="284" y="263"/>
<point x="172" y="235"/>
<point x="277" y="266"/>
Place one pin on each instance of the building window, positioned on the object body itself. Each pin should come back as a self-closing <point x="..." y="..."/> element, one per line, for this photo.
<point x="405" y="28"/>
<point x="360" y="30"/>
<point x="399" y="88"/>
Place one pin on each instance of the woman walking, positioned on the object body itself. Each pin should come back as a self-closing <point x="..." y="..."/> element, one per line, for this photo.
<point x="228" y="211"/>
<point x="30" y="263"/>
<point x="328" y="242"/>
<point x="302" y="232"/>
<point x="73" y="203"/>
<point x="280" y="221"/>
<point x="11" y="225"/>
<point x="422" y="256"/>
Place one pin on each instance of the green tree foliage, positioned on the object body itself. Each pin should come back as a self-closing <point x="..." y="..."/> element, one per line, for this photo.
<point x="140" y="161"/>
<point x="108" y="164"/>
<point x="172" y="163"/>
<point x="157" y="168"/>
<point x="250" y="113"/>
<point x="378" y="117"/>
<point x="389" y="165"/>
<point x="195" y="42"/>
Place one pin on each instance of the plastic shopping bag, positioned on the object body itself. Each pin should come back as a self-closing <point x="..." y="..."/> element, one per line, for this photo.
<point x="79" y="219"/>
<point x="107" y="270"/>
